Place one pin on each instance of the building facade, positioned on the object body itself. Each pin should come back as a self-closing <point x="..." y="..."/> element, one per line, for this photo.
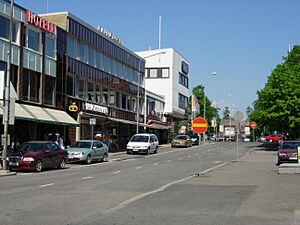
<point x="33" y="74"/>
<point x="101" y="81"/>
<point x="167" y="74"/>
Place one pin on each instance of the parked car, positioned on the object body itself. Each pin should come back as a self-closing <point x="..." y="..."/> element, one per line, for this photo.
<point x="181" y="141"/>
<point x="143" y="143"/>
<point x="194" y="137"/>
<point x="37" y="155"/>
<point x="275" y="138"/>
<point x="288" y="152"/>
<point x="88" y="151"/>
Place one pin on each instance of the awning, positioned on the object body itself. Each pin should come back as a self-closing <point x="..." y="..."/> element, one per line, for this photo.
<point x="61" y="117"/>
<point x="39" y="114"/>
<point x="42" y="115"/>
<point x="158" y="126"/>
<point x="125" y="121"/>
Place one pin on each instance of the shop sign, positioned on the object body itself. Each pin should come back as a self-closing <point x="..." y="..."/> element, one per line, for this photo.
<point x="40" y="22"/>
<point x="73" y="107"/>
<point x="110" y="35"/>
<point x="95" y="108"/>
<point x="92" y="121"/>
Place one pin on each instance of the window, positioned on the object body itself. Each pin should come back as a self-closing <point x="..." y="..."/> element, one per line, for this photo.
<point x="80" y="52"/>
<point x="50" y="48"/>
<point x="124" y="101"/>
<point x="112" y="98"/>
<point x="70" y="86"/>
<point x="157" y="73"/>
<point x="184" y="80"/>
<point x="71" y="47"/>
<point x="105" y="96"/>
<point x="49" y="90"/>
<point x="4" y="24"/>
<point x="91" y="92"/>
<point x="33" y="40"/>
<point x="82" y="89"/>
<point x="182" y="101"/>
<point x="31" y="86"/>
<point x="98" y="93"/>
<point x="91" y="59"/>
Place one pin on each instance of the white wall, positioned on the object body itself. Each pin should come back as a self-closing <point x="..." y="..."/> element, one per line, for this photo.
<point x="169" y="87"/>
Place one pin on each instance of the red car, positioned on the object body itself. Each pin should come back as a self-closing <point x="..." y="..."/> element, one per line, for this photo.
<point x="275" y="138"/>
<point x="288" y="152"/>
<point x="37" y="155"/>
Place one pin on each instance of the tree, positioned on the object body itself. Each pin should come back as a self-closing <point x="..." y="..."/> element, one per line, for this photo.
<point x="278" y="105"/>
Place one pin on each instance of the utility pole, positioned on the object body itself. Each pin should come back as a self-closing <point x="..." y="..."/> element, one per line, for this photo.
<point x="7" y="91"/>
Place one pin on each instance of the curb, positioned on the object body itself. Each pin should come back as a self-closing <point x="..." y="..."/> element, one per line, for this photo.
<point x="4" y="173"/>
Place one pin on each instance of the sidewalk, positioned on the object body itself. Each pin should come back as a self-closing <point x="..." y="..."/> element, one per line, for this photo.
<point x="263" y="195"/>
<point x="4" y="173"/>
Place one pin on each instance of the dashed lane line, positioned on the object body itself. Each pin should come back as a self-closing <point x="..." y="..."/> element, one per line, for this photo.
<point x="46" y="185"/>
<point x="85" y="178"/>
<point x="117" y="172"/>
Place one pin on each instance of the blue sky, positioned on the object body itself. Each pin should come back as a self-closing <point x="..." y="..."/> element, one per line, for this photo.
<point x="241" y="40"/>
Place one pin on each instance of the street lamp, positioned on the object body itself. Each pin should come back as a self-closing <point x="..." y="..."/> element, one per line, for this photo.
<point x="138" y="90"/>
<point x="204" y="103"/>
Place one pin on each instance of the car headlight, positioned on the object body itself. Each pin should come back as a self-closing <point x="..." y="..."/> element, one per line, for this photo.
<point x="282" y="154"/>
<point x="78" y="153"/>
<point x="28" y="159"/>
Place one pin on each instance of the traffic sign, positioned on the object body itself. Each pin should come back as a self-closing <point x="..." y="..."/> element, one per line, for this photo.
<point x="253" y="125"/>
<point x="200" y="125"/>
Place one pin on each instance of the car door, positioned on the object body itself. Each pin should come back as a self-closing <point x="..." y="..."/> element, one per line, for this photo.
<point x="95" y="150"/>
<point x="55" y="156"/>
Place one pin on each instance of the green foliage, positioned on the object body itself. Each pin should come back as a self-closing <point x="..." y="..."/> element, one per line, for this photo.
<point x="211" y="112"/>
<point x="278" y="105"/>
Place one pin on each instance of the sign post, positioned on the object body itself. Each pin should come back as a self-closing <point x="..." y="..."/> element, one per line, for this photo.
<point x="199" y="126"/>
<point x="253" y="127"/>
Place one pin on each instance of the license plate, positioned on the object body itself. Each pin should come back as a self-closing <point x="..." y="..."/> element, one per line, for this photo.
<point x="135" y="150"/>
<point x="13" y="164"/>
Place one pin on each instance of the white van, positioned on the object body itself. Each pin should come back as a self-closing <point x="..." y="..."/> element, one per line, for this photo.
<point x="143" y="143"/>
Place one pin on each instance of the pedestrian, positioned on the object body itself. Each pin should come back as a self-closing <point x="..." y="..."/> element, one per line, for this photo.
<point x="61" y="142"/>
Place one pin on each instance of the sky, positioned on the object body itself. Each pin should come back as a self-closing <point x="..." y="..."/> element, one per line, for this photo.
<point x="241" y="40"/>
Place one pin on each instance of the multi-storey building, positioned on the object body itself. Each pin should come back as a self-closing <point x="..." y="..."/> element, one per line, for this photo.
<point x="34" y="75"/>
<point x="167" y="74"/>
<point x="100" y="81"/>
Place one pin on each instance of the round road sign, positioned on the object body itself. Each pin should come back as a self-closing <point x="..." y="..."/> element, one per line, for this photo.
<point x="200" y="125"/>
<point x="253" y="125"/>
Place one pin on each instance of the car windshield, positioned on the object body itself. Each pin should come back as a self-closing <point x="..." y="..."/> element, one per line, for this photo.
<point x="140" y="138"/>
<point x="30" y="147"/>
<point x="290" y="145"/>
<point x="81" y="144"/>
<point x="180" y="138"/>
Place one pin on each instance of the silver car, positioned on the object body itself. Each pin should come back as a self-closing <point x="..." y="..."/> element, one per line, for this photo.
<point x="88" y="151"/>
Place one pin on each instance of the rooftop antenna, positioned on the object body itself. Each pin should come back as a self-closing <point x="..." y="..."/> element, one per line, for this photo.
<point x="47" y="6"/>
<point x="159" y="33"/>
<point x="289" y="48"/>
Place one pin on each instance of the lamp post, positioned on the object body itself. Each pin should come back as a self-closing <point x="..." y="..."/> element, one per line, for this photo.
<point x="7" y="91"/>
<point x="204" y="103"/>
<point x="138" y="89"/>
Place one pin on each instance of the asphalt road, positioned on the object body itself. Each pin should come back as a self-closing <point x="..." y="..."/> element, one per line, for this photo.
<point x="130" y="189"/>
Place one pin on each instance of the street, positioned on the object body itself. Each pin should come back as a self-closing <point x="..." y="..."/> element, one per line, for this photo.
<point x="93" y="194"/>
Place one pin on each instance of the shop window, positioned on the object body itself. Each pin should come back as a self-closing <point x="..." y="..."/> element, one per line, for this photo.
<point x="30" y="86"/>
<point x="33" y="40"/>
<point x="49" y="90"/>
<point x="82" y="89"/>
<point x="98" y="93"/>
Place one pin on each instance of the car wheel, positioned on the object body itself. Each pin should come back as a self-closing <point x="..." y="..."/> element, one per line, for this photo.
<point x="148" y="151"/>
<point x="88" y="159"/>
<point x="105" y="158"/>
<point x="62" y="164"/>
<point x="39" y="166"/>
<point x="155" y="152"/>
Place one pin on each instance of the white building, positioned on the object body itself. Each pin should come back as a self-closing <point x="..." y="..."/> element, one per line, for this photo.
<point x="167" y="74"/>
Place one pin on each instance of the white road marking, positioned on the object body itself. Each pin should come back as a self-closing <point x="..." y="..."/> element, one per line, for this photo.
<point x="155" y="164"/>
<point x="116" y="159"/>
<point x="216" y="162"/>
<point x="180" y="158"/>
<point x="139" y="167"/>
<point x="117" y="172"/>
<point x="189" y="156"/>
<point x="85" y="178"/>
<point x="46" y="185"/>
<point x="215" y="167"/>
<point x="169" y="161"/>
<point x="143" y="195"/>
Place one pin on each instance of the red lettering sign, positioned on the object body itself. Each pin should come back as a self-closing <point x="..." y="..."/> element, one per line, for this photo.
<point x="40" y="22"/>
